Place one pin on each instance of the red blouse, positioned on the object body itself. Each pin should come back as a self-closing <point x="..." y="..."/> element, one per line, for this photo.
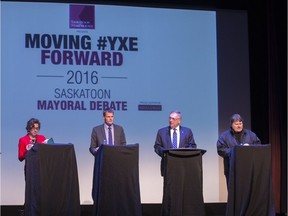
<point x="24" y="141"/>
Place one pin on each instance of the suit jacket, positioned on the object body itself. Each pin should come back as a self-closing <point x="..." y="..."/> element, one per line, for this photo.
<point x="98" y="136"/>
<point x="163" y="141"/>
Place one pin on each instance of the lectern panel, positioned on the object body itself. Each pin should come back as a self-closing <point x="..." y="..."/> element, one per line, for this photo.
<point x="52" y="186"/>
<point x="116" y="188"/>
<point x="183" y="182"/>
<point x="250" y="181"/>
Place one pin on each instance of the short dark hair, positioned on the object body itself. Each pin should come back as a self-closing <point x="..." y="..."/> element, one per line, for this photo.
<point x="108" y="111"/>
<point x="236" y="117"/>
<point x="31" y="122"/>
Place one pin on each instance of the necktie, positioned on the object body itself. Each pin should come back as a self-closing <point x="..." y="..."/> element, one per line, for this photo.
<point x="174" y="142"/>
<point x="110" y="136"/>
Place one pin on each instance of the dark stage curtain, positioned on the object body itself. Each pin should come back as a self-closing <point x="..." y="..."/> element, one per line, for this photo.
<point x="268" y="57"/>
<point x="277" y="25"/>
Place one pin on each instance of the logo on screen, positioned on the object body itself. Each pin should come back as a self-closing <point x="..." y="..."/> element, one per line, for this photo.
<point x="82" y="17"/>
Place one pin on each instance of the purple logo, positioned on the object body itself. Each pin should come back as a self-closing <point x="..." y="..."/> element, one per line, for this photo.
<point x="82" y="17"/>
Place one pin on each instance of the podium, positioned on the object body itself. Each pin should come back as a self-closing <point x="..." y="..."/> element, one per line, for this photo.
<point x="250" y="181"/>
<point x="183" y="182"/>
<point x="52" y="186"/>
<point x="116" y="190"/>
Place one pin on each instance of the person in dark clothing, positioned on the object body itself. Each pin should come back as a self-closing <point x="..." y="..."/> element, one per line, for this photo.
<point x="235" y="135"/>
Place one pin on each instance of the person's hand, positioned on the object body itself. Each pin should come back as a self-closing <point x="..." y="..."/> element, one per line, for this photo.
<point x="45" y="141"/>
<point x="29" y="146"/>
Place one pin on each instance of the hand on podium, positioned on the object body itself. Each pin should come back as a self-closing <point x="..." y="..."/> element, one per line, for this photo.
<point x="45" y="141"/>
<point x="29" y="146"/>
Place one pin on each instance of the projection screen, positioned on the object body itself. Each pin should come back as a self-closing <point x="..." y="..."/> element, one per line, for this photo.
<point x="64" y="63"/>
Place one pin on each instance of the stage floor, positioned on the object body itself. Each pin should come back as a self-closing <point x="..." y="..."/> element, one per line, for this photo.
<point x="212" y="209"/>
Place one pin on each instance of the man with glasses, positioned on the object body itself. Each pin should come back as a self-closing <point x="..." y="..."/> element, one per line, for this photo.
<point x="181" y="183"/>
<point x="173" y="136"/>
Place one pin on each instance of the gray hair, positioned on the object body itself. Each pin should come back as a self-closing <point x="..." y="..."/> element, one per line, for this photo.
<point x="178" y="113"/>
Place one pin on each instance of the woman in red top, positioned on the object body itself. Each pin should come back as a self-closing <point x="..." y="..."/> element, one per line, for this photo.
<point x="26" y="142"/>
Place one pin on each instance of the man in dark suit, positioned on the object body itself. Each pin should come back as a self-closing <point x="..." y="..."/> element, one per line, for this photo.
<point x="176" y="185"/>
<point x="107" y="133"/>
<point x="182" y="137"/>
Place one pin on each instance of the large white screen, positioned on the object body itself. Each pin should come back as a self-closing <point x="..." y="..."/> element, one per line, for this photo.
<point x="171" y="62"/>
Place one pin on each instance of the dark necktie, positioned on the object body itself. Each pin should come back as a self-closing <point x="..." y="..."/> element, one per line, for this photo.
<point x="110" y="136"/>
<point x="174" y="142"/>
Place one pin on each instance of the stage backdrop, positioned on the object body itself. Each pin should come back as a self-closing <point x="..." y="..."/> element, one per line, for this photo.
<point x="65" y="63"/>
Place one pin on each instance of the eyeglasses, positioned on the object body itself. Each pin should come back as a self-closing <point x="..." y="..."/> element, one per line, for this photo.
<point x="173" y="119"/>
<point x="35" y="128"/>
